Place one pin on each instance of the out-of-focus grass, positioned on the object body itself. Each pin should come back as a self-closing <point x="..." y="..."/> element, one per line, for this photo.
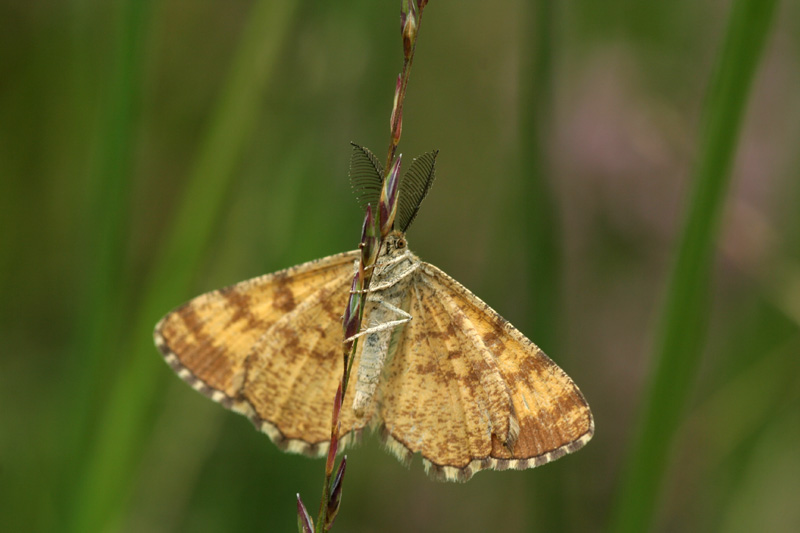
<point x="679" y="347"/>
<point x="144" y="159"/>
<point x="110" y="186"/>
<point x="116" y="445"/>
<point x="536" y="210"/>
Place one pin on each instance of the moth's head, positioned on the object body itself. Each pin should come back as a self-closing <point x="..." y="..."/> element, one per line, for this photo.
<point x="395" y="242"/>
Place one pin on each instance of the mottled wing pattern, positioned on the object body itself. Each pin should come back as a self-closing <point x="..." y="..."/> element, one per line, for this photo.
<point x="468" y="391"/>
<point x="269" y="348"/>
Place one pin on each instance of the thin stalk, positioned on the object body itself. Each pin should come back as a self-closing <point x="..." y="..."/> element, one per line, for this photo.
<point x="410" y="24"/>
<point x="411" y="18"/>
<point x="678" y="347"/>
<point x="100" y="492"/>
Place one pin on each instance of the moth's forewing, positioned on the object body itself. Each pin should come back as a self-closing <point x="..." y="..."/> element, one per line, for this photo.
<point x="270" y="348"/>
<point x="441" y="397"/>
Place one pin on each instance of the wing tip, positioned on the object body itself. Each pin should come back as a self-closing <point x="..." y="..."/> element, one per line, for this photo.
<point x="174" y="362"/>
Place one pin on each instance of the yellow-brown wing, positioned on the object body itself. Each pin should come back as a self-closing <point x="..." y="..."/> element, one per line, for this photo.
<point x="269" y="348"/>
<point x="468" y="391"/>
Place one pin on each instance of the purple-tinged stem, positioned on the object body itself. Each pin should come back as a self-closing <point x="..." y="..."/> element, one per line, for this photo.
<point x="304" y="524"/>
<point x="371" y="242"/>
<point x="389" y="197"/>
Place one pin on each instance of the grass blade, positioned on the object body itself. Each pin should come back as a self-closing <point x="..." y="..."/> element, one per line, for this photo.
<point x="111" y="182"/>
<point x="540" y="223"/>
<point x="678" y="347"/>
<point x="100" y="494"/>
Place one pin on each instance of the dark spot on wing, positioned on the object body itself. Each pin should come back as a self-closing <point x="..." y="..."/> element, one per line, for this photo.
<point x="283" y="297"/>
<point x="241" y="304"/>
<point x="493" y="341"/>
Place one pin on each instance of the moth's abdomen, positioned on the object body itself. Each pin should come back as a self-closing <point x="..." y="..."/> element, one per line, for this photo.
<point x="373" y="357"/>
<point x="377" y="343"/>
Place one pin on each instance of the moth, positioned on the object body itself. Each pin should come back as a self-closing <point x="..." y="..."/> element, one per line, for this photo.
<point x="437" y="371"/>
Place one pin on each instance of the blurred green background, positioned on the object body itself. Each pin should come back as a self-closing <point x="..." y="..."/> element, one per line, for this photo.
<point x="151" y="151"/>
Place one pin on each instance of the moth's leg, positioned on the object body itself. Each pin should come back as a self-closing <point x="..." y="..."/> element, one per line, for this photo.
<point x="357" y="262"/>
<point x="406" y="317"/>
<point x="392" y="261"/>
<point x="377" y="287"/>
<point x="395" y="259"/>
